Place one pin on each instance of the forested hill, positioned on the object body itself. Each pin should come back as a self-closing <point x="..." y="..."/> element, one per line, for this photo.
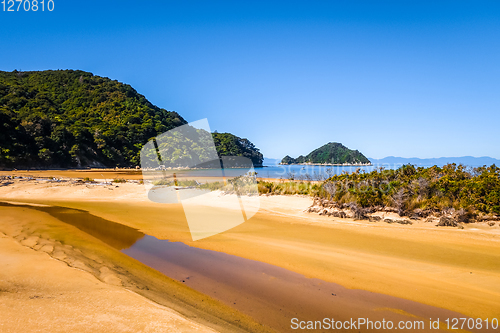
<point x="70" y="118"/>
<point x="331" y="153"/>
<point x="228" y="144"/>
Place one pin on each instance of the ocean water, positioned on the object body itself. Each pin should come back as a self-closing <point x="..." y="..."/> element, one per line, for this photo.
<point x="319" y="172"/>
<point x="272" y="169"/>
<point x="298" y="172"/>
<point x="316" y="172"/>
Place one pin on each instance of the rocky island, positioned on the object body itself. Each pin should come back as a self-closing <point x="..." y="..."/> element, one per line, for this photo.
<point x="332" y="153"/>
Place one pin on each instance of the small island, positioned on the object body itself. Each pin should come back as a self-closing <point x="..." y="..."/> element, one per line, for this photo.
<point x="332" y="153"/>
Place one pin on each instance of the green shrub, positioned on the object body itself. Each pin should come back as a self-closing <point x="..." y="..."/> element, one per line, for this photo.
<point x="409" y="188"/>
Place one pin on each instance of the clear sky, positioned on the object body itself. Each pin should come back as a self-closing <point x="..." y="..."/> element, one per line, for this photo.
<point x="402" y="78"/>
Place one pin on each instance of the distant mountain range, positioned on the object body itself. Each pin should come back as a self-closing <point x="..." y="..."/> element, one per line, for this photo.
<point x="465" y="160"/>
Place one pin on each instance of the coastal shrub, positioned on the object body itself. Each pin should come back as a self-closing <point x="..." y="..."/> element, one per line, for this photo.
<point x="290" y="187"/>
<point x="471" y="191"/>
<point x="172" y="182"/>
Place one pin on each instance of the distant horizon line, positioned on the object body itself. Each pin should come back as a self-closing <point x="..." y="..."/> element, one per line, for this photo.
<point x="418" y="158"/>
<point x="432" y="158"/>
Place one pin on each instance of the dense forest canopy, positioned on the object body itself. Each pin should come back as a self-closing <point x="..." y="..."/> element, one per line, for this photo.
<point x="69" y="118"/>
<point x="228" y="144"/>
<point x="187" y="146"/>
<point x="331" y="153"/>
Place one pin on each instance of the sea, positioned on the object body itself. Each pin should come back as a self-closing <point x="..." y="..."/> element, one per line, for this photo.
<point x="323" y="172"/>
<point x="309" y="172"/>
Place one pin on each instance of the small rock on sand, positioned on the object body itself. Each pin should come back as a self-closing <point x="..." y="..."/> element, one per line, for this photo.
<point x="447" y="222"/>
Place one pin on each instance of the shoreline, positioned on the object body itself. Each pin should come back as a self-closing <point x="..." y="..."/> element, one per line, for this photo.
<point x="328" y="164"/>
<point x="354" y="254"/>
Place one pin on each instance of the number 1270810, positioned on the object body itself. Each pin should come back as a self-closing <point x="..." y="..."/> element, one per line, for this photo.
<point x="27" y="5"/>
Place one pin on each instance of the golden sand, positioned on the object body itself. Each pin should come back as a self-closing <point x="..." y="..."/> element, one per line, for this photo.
<point x="42" y="294"/>
<point x="56" y="278"/>
<point x="445" y="267"/>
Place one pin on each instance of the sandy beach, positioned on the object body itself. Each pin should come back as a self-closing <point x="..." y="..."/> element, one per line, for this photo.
<point x="447" y="268"/>
<point x="43" y="294"/>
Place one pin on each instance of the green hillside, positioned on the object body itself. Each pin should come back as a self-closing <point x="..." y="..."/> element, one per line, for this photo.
<point x="331" y="153"/>
<point x="70" y="118"/>
<point x="228" y="144"/>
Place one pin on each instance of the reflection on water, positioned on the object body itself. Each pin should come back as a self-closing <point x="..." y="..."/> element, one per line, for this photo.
<point x="269" y="294"/>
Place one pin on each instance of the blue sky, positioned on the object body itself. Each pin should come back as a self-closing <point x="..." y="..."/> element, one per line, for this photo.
<point x="403" y="78"/>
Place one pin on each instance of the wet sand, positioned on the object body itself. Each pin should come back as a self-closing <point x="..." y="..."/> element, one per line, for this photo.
<point x="108" y="174"/>
<point x="39" y="294"/>
<point x="269" y="294"/>
<point x="448" y="268"/>
<point x="56" y="278"/>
